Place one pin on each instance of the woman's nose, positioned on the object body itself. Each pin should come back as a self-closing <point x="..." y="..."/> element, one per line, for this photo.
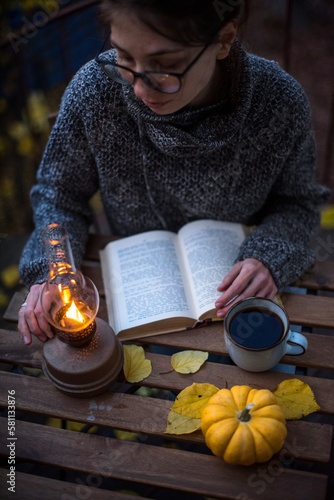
<point x="139" y="87"/>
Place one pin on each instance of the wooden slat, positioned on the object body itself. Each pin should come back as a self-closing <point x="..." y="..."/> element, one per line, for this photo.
<point x="319" y="277"/>
<point x="306" y="440"/>
<point x="146" y="464"/>
<point x="211" y="339"/>
<point x="309" y="310"/>
<point x="11" y="313"/>
<point x="13" y="350"/>
<point x="208" y="338"/>
<point x="227" y="375"/>
<point x="30" y="487"/>
<point x="215" y="373"/>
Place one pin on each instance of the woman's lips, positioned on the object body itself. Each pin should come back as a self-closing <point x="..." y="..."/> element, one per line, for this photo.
<point x="156" y="105"/>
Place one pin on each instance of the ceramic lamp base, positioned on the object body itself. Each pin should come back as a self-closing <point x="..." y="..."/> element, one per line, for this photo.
<point x="87" y="370"/>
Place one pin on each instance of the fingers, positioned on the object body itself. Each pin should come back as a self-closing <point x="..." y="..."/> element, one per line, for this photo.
<point x="269" y="292"/>
<point x="23" y="328"/>
<point x="230" y="277"/>
<point x="249" y="278"/>
<point x="242" y="280"/>
<point x="31" y="317"/>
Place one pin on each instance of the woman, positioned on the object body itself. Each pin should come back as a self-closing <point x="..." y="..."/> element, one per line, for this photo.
<point x="178" y="123"/>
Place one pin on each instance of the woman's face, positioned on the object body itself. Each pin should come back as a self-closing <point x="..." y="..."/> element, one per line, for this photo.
<point x="141" y="49"/>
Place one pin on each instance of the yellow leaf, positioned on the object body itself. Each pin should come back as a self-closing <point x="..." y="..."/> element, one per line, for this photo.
<point x="171" y="445"/>
<point x="34" y="372"/>
<point x="125" y="435"/>
<point x="25" y="146"/>
<point x="179" y="424"/>
<point x="3" y="105"/>
<point x="10" y="276"/>
<point x="4" y="145"/>
<point x="296" y="399"/>
<point x="278" y="299"/>
<point x="70" y="425"/>
<point x="38" y="111"/>
<point x="193" y="399"/>
<point x="7" y="189"/>
<point x="327" y="217"/>
<point x="4" y="299"/>
<point x="188" y="361"/>
<point x="136" y="367"/>
<point x="18" y="130"/>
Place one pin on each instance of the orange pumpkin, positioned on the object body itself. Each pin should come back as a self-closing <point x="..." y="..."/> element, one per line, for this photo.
<point x="243" y="425"/>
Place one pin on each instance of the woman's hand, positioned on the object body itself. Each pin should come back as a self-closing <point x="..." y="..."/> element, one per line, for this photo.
<point x="31" y="317"/>
<point x="248" y="278"/>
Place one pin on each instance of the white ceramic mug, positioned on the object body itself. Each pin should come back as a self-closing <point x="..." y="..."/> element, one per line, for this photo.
<point x="265" y="358"/>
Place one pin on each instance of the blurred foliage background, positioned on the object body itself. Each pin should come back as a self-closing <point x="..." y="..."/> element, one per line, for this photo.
<point x="42" y="45"/>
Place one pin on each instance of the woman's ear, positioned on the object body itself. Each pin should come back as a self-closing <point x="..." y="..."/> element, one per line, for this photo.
<point x="226" y="38"/>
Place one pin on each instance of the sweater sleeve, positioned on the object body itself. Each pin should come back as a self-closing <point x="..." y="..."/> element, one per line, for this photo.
<point x="290" y="215"/>
<point x="66" y="180"/>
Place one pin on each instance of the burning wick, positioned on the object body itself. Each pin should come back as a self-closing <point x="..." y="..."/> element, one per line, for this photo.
<point x="74" y="313"/>
<point x="73" y="318"/>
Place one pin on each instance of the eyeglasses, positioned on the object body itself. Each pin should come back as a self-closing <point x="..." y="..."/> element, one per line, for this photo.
<point x="168" y="83"/>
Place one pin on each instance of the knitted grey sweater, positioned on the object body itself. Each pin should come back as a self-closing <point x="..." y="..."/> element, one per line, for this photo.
<point x="249" y="159"/>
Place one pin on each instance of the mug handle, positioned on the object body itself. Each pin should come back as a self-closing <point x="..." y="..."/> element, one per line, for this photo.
<point x="300" y="344"/>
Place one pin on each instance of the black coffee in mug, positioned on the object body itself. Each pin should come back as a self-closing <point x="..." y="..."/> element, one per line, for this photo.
<point x="256" y="328"/>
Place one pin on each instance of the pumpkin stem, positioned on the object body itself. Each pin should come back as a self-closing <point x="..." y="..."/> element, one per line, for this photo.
<point x="244" y="415"/>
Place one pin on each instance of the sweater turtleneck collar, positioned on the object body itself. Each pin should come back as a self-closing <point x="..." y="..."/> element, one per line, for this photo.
<point x="190" y="132"/>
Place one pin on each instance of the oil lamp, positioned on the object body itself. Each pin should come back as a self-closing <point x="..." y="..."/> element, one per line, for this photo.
<point x="84" y="358"/>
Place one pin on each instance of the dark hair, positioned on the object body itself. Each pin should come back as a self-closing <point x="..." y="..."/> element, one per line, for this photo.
<point x="191" y="22"/>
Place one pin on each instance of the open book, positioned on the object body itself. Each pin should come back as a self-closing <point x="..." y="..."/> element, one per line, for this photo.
<point x="159" y="281"/>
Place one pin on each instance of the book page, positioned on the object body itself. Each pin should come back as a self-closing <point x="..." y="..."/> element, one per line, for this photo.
<point x="210" y="249"/>
<point x="143" y="280"/>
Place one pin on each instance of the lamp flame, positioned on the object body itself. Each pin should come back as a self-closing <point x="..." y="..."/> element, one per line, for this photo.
<point x="74" y="313"/>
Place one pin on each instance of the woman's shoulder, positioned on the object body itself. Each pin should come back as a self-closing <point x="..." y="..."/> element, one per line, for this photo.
<point x="270" y="71"/>
<point x="272" y="82"/>
<point x="91" y="84"/>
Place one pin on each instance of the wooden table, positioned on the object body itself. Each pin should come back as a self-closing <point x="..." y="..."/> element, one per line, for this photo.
<point x="87" y="465"/>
